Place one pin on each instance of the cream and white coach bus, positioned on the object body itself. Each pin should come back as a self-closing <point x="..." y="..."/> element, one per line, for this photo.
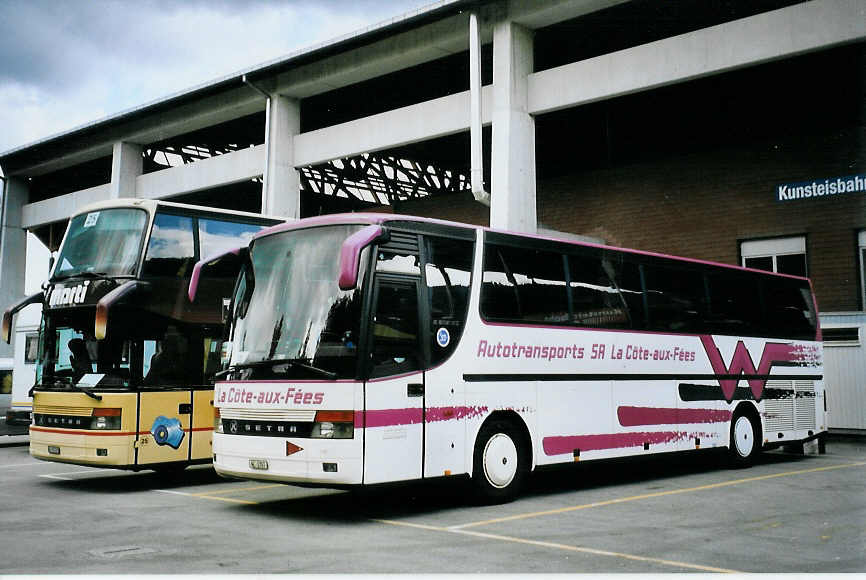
<point x="124" y="365"/>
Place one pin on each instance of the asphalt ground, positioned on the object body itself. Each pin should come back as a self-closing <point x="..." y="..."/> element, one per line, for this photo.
<point x="668" y="514"/>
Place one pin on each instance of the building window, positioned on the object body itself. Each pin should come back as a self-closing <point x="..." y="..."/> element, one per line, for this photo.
<point x="841" y="336"/>
<point x="31" y="348"/>
<point x="862" y="251"/>
<point x="783" y="255"/>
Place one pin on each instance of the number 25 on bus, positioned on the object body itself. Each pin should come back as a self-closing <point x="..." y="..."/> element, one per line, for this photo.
<point x="369" y="348"/>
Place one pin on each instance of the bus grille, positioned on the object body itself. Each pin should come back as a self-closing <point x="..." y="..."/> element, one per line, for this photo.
<point x="58" y="410"/>
<point x="805" y="404"/>
<point x="302" y="415"/>
<point x="791" y="407"/>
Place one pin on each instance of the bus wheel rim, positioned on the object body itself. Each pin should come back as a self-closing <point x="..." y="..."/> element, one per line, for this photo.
<point x="500" y="460"/>
<point x="744" y="436"/>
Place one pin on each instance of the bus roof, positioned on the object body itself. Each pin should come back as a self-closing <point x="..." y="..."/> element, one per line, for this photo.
<point x="384" y="218"/>
<point x="153" y="205"/>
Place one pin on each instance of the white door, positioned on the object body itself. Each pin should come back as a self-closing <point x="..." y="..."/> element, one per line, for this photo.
<point x="394" y="395"/>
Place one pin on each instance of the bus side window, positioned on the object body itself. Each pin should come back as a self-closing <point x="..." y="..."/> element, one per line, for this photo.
<point x="171" y="250"/>
<point x="734" y="304"/>
<point x="676" y="298"/>
<point x="627" y="276"/>
<point x="216" y="236"/>
<point x="789" y="309"/>
<point x="523" y="284"/>
<point x="448" y="271"/>
<point x="595" y="300"/>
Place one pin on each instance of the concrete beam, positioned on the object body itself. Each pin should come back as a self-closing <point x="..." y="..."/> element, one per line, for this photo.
<point x="404" y="50"/>
<point x="750" y="41"/>
<point x="220" y="170"/>
<point x="540" y="14"/>
<point x="149" y="129"/>
<point x="234" y="167"/>
<point x="61" y="207"/>
<point x="428" y="120"/>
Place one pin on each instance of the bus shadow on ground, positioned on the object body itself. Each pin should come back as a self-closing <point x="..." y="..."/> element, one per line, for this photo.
<point x="442" y="495"/>
<point x="389" y="501"/>
<point x="651" y="470"/>
<point x="122" y="481"/>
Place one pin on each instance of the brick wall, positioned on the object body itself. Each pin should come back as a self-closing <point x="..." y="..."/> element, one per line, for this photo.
<point x="703" y="205"/>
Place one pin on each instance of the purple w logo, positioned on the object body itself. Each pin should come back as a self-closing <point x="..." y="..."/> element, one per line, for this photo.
<point x="742" y="367"/>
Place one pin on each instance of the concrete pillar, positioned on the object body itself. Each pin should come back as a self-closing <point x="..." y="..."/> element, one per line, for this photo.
<point x="282" y="183"/>
<point x="126" y="165"/>
<point x="512" y="196"/>
<point x="13" y="249"/>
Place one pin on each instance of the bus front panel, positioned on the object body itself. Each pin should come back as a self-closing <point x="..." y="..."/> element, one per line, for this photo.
<point x="71" y="427"/>
<point x="310" y="432"/>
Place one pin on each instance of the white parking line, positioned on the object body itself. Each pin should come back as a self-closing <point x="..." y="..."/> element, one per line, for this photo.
<point x="64" y="473"/>
<point x="565" y="547"/>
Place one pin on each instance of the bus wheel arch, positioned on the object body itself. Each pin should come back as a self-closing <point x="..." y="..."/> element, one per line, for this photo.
<point x="501" y="458"/>
<point x="746" y="438"/>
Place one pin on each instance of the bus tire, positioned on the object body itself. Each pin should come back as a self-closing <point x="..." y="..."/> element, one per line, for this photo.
<point x="745" y="442"/>
<point x="500" y="462"/>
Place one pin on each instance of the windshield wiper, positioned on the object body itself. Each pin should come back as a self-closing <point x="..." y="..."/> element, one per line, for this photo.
<point x="293" y="362"/>
<point x="320" y="371"/>
<point x="85" y="391"/>
<point x="92" y="275"/>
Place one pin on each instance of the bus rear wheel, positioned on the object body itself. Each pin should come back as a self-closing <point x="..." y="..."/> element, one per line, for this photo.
<point x="745" y="440"/>
<point x="500" y="463"/>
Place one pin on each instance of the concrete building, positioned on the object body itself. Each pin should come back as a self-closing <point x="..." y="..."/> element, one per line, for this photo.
<point x="732" y="131"/>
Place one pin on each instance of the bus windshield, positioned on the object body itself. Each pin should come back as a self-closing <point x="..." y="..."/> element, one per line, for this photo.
<point x="290" y="318"/>
<point x="150" y="355"/>
<point x="105" y="243"/>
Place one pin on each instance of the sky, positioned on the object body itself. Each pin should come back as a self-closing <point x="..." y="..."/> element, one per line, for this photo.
<point x="66" y="63"/>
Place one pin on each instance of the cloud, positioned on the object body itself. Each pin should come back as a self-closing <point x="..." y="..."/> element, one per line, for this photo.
<point x="63" y="64"/>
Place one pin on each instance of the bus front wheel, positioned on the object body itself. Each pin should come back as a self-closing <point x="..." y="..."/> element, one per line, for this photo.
<point x="500" y="463"/>
<point x="745" y="440"/>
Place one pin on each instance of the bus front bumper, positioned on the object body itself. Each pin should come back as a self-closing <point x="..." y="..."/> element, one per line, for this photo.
<point x="82" y="448"/>
<point x="319" y="461"/>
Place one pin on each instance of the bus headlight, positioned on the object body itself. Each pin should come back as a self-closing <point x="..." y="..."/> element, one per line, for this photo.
<point x="217" y="421"/>
<point x="333" y="425"/>
<point x="105" y="419"/>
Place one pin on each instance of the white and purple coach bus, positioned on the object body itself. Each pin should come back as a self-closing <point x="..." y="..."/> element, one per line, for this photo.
<point x="373" y="348"/>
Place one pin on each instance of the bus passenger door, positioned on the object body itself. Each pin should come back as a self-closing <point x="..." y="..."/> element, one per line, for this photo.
<point x="163" y="426"/>
<point x="394" y="395"/>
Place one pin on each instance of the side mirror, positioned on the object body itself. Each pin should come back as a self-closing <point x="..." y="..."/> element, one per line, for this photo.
<point x="100" y="323"/>
<point x="6" y="328"/>
<point x="350" y="253"/>
<point x="201" y="265"/>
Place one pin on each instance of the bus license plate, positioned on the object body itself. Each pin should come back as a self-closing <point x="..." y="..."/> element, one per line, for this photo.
<point x="260" y="464"/>
<point x="54" y="450"/>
